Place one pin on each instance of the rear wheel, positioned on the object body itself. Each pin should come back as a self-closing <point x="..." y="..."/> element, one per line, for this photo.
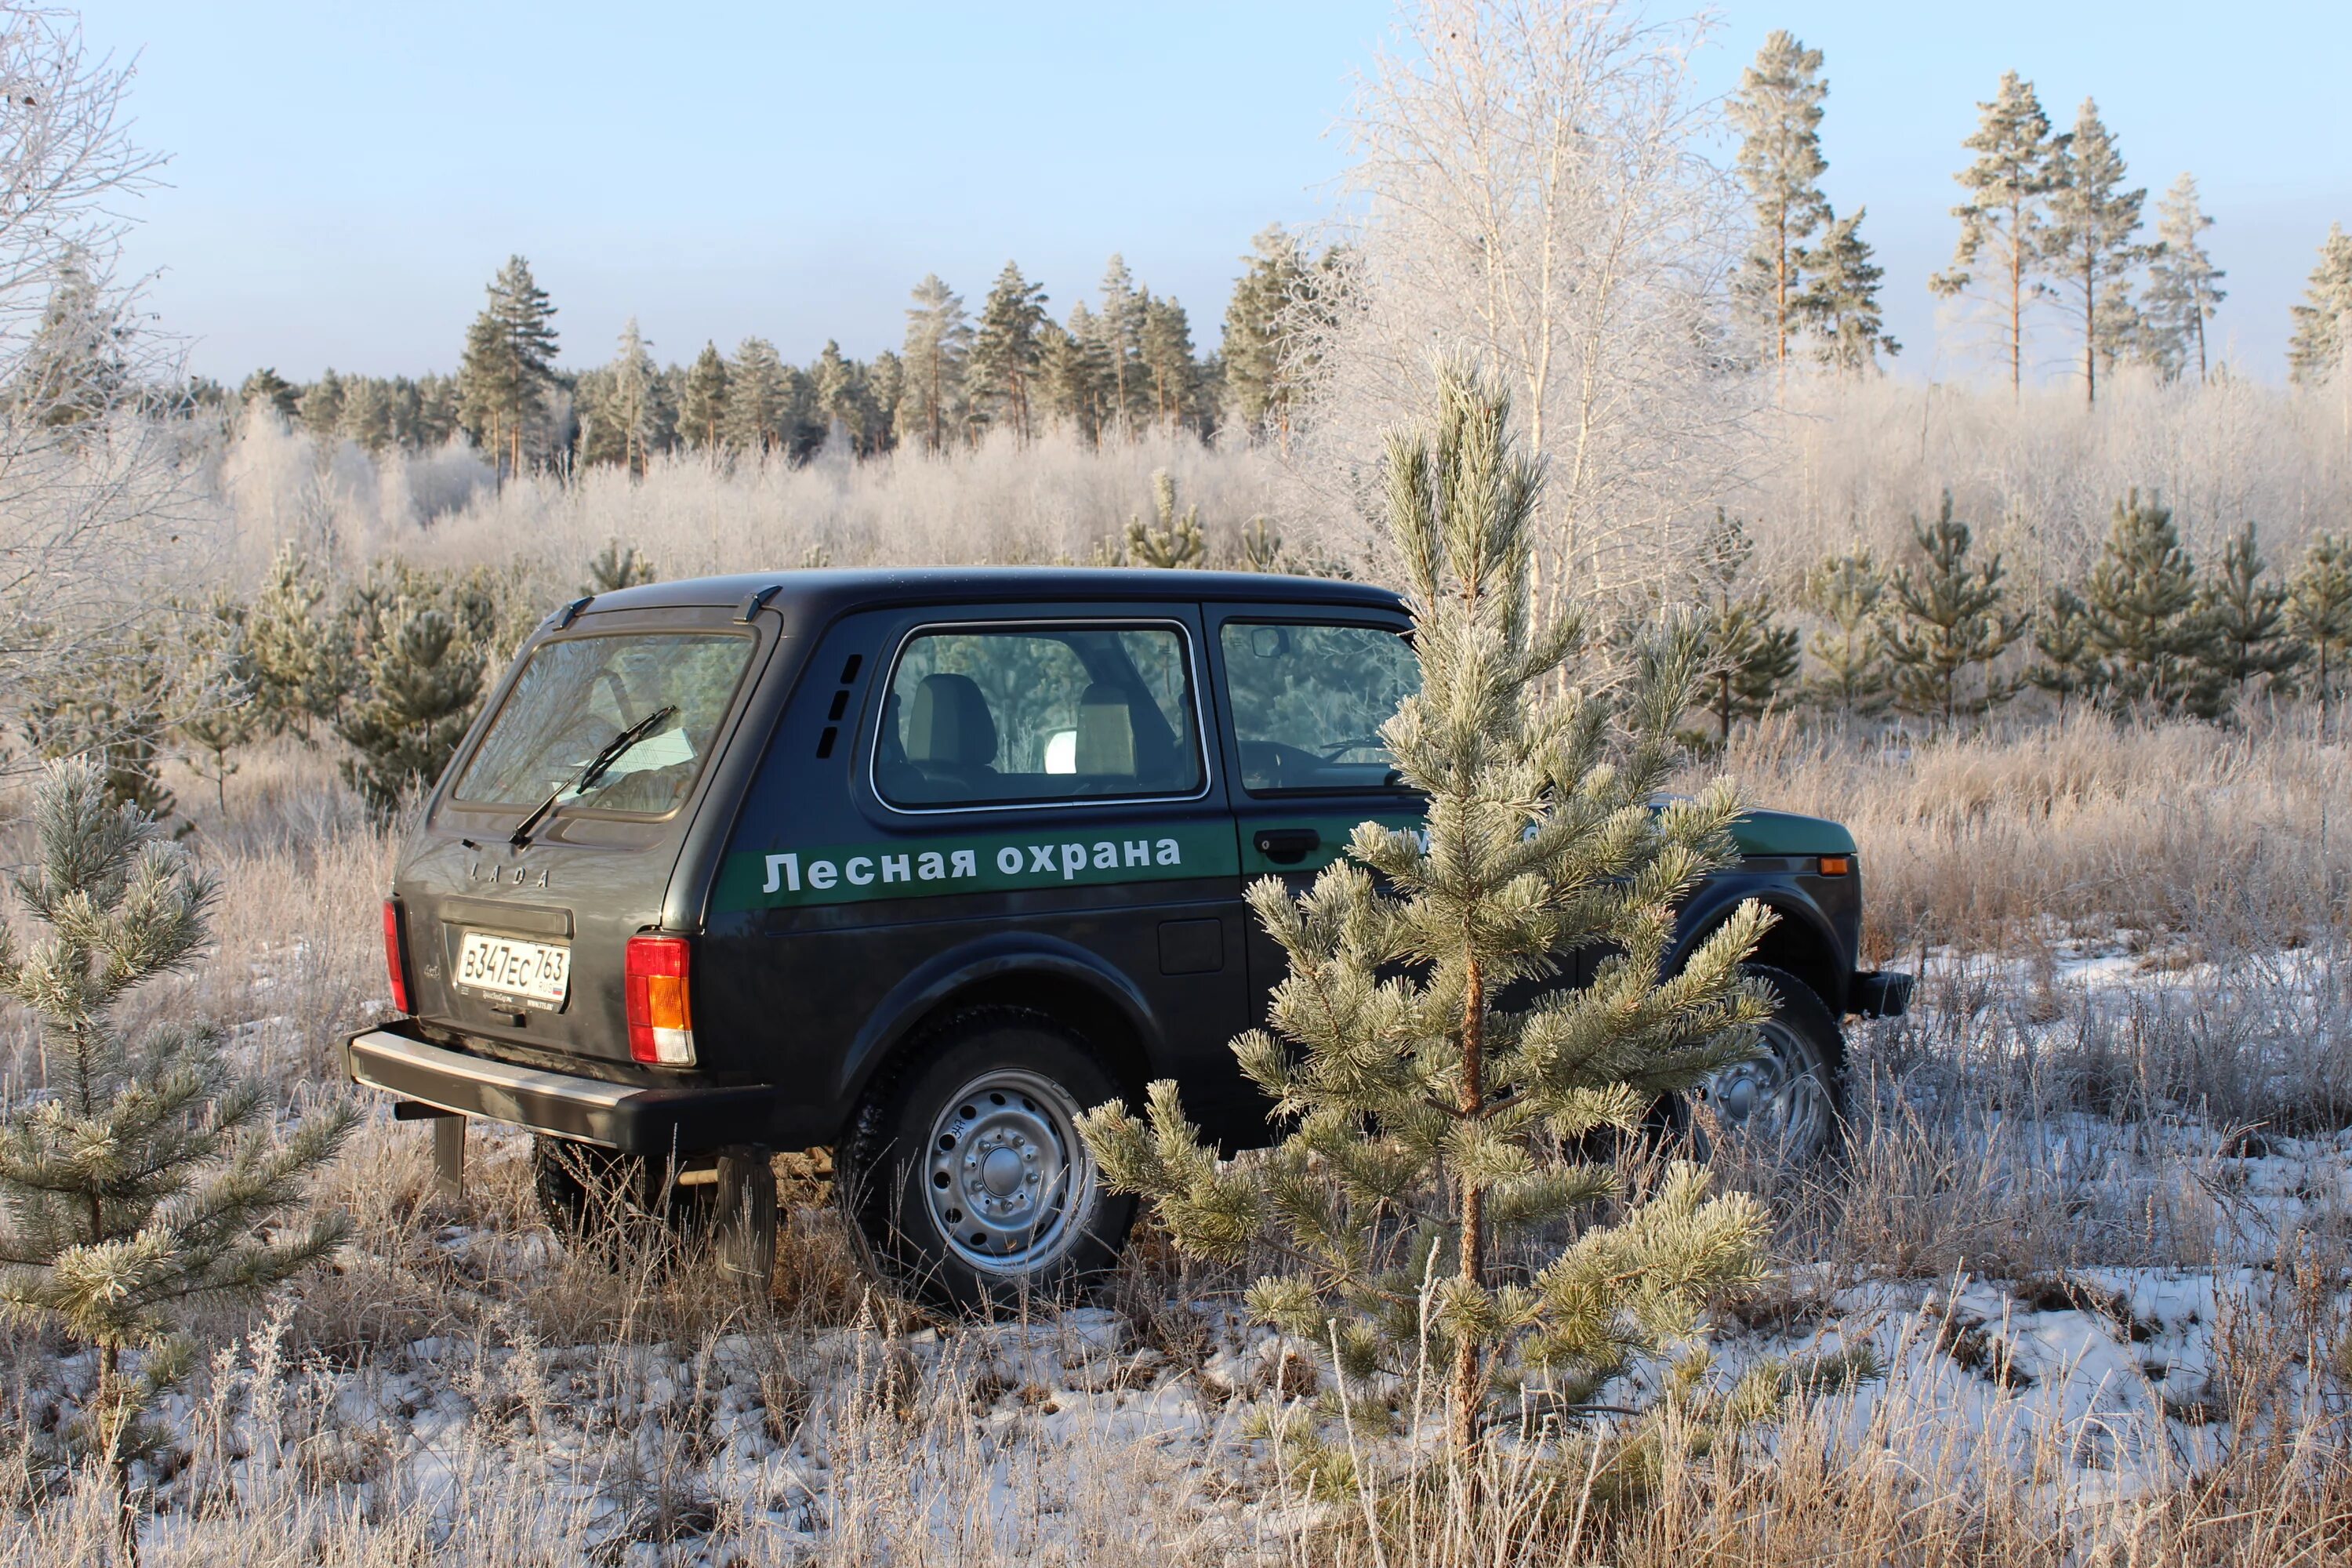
<point x="1787" y="1102"/>
<point x="586" y="1191"/>
<point x="965" y="1177"/>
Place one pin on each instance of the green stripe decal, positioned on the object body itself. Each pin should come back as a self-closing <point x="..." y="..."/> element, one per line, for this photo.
<point x="988" y="862"/>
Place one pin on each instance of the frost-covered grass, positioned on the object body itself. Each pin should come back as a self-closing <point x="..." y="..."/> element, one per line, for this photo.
<point x="2093" y="1225"/>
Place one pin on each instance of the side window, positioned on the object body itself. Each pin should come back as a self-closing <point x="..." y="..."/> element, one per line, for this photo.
<point x="1308" y="702"/>
<point x="976" y="716"/>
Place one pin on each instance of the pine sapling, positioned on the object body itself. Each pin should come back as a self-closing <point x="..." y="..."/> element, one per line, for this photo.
<point x="1748" y="656"/>
<point x="1948" y="625"/>
<point x="145" y="1179"/>
<point x="1845" y="591"/>
<point x="2066" y="666"/>
<point x="2143" y="614"/>
<point x="2245" y="619"/>
<point x="1427" y="1197"/>
<point x="422" y="684"/>
<point x="2319" y="608"/>
<point x="616" y="567"/>
<point x="1174" y="541"/>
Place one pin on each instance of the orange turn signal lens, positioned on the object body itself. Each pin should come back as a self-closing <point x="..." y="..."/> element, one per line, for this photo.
<point x="1836" y="865"/>
<point x="659" y="1002"/>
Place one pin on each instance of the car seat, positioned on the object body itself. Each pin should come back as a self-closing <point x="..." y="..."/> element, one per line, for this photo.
<point x="1105" y="746"/>
<point x="950" y="733"/>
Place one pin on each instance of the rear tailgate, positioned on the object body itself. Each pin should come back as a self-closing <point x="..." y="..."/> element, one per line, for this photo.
<point x="525" y="946"/>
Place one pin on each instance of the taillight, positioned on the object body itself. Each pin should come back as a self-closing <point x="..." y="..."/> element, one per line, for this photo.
<point x="661" y="1015"/>
<point x="395" y="963"/>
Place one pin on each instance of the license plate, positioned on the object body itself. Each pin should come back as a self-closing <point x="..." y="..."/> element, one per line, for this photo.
<point x="537" y="974"/>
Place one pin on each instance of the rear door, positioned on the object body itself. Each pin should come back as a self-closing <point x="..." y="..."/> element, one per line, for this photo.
<point x="1302" y="695"/>
<point x="523" y="944"/>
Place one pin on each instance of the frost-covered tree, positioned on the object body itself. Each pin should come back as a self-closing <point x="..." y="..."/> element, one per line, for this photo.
<point x="1262" y="383"/>
<point x="1749" y="655"/>
<point x="759" y="400"/>
<point x="702" y="407"/>
<point x="2141" y="605"/>
<point x="1778" y="113"/>
<point x="939" y="340"/>
<point x="1845" y="591"/>
<point x="2319" y="609"/>
<point x="2245" y="618"/>
<point x="115" y="707"/>
<point x="1948" y="623"/>
<point x="220" y="715"/>
<point x="1533" y="187"/>
<point x="144" y="1179"/>
<point x="1076" y="375"/>
<point x="624" y="421"/>
<point x="2182" y="284"/>
<point x="2323" y="322"/>
<point x="320" y="409"/>
<point x="2006" y="209"/>
<point x="1118" y="321"/>
<point x="271" y="390"/>
<point x="419" y="689"/>
<point x="1840" y="305"/>
<point x="1432" y="1078"/>
<point x="2091" y="245"/>
<point x="1006" y="351"/>
<point x="618" y="566"/>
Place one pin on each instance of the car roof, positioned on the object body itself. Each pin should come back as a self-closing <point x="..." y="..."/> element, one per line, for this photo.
<point x="826" y="593"/>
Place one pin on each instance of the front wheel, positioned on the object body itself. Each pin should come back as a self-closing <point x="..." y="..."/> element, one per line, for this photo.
<point x="1786" y="1103"/>
<point x="965" y="1177"/>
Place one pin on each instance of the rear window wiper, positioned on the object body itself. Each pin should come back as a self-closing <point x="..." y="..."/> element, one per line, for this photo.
<point x="598" y="767"/>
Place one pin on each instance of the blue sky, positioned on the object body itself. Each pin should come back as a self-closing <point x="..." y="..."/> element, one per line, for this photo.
<point x="344" y="179"/>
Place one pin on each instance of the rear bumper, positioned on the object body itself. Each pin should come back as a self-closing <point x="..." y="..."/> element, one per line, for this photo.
<point x="1881" y="993"/>
<point x="633" y="1119"/>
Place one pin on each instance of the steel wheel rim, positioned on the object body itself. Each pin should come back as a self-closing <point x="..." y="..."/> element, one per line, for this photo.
<point x="1776" y="1101"/>
<point x="1006" y="1177"/>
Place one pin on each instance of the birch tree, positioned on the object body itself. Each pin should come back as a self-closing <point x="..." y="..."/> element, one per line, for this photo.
<point x="1532" y="193"/>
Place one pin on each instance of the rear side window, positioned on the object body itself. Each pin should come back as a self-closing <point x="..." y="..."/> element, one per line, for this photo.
<point x="989" y="716"/>
<point x="1308" y="702"/>
<point x="578" y="696"/>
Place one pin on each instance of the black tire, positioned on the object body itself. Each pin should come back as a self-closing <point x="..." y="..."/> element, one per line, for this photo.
<point x="981" y="1112"/>
<point x="1790" y="1103"/>
<point x="591" y="1193"/>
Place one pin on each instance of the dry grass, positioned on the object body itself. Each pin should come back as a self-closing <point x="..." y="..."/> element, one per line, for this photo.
<point x="2136" y="989"/>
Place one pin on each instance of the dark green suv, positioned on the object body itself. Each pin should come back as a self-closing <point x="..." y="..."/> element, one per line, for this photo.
<point x="918" y="864"/>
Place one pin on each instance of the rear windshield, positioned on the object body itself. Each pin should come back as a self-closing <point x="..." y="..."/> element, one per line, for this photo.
<point x="578" y="696"/>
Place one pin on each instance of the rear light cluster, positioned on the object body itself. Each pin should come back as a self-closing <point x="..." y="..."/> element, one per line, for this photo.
<point x="661" y="1012"/>
<point x="396" y="960"/>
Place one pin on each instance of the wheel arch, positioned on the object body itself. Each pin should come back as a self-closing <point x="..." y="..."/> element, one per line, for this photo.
<point x="1040" y="974"/>
<point x="1799" y="940"/>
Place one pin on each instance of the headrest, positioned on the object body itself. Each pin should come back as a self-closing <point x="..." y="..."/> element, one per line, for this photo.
<point x="949" y="722"/>
<point x="1106" y="732"/>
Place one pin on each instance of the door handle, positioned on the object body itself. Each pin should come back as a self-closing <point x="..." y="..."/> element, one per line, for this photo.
<point x="1284" y="845"/>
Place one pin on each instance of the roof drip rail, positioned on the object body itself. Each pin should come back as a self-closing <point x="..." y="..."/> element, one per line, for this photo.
<point x="571" y="612"/>
<point x="753" y="600"/>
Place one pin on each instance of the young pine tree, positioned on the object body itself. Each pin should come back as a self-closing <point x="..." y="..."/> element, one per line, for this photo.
<point x="220" y="714"/>
<point x="1948" y="625"/>
<point x="2316" y="353"/>
<point x="2182" y="284"/>
<point x="2002" y="221"/>
<point x="617" y="566"/>
<point x="1427" y="1158"/>
<point x="1777" y="112"/>
<point x="144" y="1181"/>
<point x="1261" y="386"/>
<point x="1845" y="591"/>
<point x="2065" y="664"/>
<point x="2245" y="619"/>
<point x="2319" y="610"/>
<point x="1748" y="656"/>
<point x="300" y="669"/>
<point x="2091" y="245"/>
<point x="114" y="706"/>
<point x="1174" y="541"/>
<point x="2141" y="600"/>
<point x="421" y="684"/>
